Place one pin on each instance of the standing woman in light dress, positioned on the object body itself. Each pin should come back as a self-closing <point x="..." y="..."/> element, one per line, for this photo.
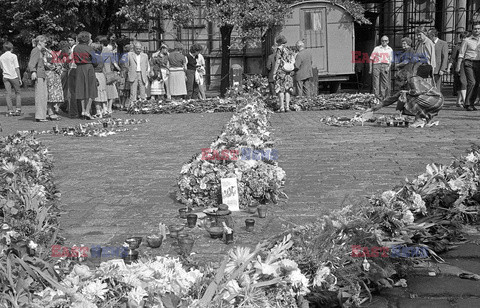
<point x="36" y="66"/>
<point x="178" y="66"/>
<point x="101" y="99"/>
<point x="110" y="64"/>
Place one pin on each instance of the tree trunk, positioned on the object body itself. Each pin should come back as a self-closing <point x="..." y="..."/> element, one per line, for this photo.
<point x="226" y="32"/>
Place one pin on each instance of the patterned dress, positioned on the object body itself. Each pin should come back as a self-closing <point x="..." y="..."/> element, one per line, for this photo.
<point x="283" y="79"/>
<point x="422" y="100"/>
<point x="53" y="70"/>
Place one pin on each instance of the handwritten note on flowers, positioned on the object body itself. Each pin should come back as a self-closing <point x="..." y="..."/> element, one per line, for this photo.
<point x="230" y="193"/>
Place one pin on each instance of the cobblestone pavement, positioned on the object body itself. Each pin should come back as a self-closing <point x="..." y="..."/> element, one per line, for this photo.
<point x="123" y="185"/>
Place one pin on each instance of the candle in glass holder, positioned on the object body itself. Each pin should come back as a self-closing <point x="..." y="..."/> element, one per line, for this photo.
<point x="249" y="224"/>
<point x="192" y="220"/>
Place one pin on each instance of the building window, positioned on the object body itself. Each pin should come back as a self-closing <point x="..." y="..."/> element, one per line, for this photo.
<point x="313" y="21"/>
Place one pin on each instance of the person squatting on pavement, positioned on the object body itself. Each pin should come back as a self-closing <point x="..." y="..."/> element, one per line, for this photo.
<point x="417" y="98"/>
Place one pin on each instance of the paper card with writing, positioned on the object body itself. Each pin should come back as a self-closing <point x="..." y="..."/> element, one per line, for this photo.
<point x="230" y="193"/>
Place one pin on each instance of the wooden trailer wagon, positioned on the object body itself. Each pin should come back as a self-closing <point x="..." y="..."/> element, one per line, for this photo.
<point x="328" y="32"/>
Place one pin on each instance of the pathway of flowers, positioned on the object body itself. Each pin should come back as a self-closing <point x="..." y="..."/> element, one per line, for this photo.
<point x="99" y="128"/>
<point x="313" y="263"/>
<point x="255" y="85"/>
<point x="184" y="106"/>
<point x="259" y="180"/>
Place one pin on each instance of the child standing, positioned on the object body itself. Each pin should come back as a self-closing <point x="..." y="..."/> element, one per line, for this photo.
<point x="101" y="99"/>
<point x="11" y="78"/>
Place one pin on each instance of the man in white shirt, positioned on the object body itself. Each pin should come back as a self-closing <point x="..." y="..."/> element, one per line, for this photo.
<point x="380" y="63"/>
<point x="11" y="78"/>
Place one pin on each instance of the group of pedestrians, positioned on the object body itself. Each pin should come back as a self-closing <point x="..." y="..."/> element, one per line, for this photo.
<point x="427" y="59"/>
<point x="289" y="72"/>
<point x="87" y="78"/>
<point x="421" y="71"/>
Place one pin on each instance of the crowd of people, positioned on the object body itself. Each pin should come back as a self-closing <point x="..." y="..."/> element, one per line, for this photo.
<point x="420" y="73"/>
<point x="88" y="78"/>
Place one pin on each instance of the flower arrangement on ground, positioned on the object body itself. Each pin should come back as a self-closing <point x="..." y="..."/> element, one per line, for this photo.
<point x="258" y="180"/>
<point x="154" y="283"/>
<point x="348" y="253"/>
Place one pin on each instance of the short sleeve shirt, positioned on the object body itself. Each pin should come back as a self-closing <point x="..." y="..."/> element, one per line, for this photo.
<point x="8" y="63"/>
<point x="382" y="54"/>
<point x="470" y="49"/>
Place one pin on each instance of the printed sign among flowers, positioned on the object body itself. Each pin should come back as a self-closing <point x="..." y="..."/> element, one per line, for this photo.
<point x="258" y="180"/>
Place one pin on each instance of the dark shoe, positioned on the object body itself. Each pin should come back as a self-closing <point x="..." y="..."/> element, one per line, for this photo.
<point x="469" y="108"/>
<point x="53" y="117"/>
<point x="41" y="120"/>
<point x="473" y="107"/>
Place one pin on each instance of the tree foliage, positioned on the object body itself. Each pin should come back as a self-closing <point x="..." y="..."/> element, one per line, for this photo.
<point x="22" y="20"/>
<point x="138" y="13"/>
<point x="248" y="17"/>
<point x="355" y="9"/>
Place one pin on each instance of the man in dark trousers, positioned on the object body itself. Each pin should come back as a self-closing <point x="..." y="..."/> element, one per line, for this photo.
<point x="270" y="66"/>
<point x="441" y="57"/>
<point x="469" y="57"/>
<point x="303" y="70"/>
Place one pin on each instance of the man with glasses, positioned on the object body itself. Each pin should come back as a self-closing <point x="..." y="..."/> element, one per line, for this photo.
<point x="469" y="56"/>
<point x="380" y="62"/>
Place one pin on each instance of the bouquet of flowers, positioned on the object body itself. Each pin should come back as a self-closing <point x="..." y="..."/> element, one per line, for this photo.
<point x="147" y="282"/>
<point x="259" y="278"/>
<point x="428" y="211"/>
<point x="260" y="180"/>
